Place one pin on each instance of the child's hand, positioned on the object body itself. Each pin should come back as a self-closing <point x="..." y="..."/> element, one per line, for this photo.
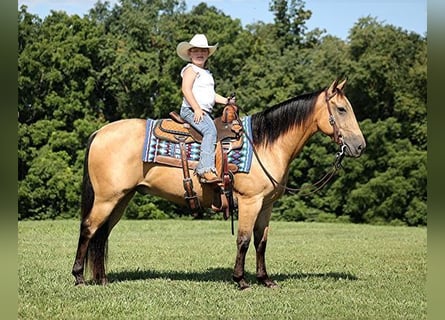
<point x="199" y="114"/>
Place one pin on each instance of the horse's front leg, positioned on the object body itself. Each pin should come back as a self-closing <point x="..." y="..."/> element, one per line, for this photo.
<point x="260" y="241"/>
<point x="261" y="273"/>
<point x="243" y="241"/>
<point x="248" y="213"/>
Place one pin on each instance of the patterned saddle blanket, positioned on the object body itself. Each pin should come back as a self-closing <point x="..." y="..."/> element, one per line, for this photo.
<point x="162" y="149"/>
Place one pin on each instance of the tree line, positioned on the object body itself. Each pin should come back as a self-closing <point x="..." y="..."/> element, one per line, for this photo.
<point x="78" y="73"/>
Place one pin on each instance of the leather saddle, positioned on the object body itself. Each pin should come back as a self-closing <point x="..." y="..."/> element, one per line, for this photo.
<point x="178" y="130"/>
<point x="229" y="137"/>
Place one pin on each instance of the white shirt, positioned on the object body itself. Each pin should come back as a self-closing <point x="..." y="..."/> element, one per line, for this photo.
<point x="203" y="88"/>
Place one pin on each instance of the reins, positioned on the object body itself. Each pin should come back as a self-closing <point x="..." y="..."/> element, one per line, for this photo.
<point x="328" y="176"/>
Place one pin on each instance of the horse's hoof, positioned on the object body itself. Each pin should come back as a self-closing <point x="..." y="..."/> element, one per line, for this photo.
<point x="269" y="283"/>
<point x="245" y="288"/>
<point x="79" y="283"/>
<point x="243" y="285"/>
<point x="272" y="285"/>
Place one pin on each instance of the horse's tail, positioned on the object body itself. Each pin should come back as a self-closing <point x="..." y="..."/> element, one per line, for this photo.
<point x="87" y="197"/>
<point x="98" y="245"/>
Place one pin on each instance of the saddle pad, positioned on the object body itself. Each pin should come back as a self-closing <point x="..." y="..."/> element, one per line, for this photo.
<point x="154" y="147"/>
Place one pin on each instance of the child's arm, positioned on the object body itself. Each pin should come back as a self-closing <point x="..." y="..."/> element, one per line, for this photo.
<point x="223" y="100"/>
<point x="188" y="78"/>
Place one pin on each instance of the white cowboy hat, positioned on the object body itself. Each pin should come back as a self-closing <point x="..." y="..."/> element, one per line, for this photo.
<point x="198" y="41"/>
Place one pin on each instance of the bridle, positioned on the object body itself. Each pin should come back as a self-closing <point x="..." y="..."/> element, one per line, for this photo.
<point x="335" y="166"/>
<point x="327" y="97"/>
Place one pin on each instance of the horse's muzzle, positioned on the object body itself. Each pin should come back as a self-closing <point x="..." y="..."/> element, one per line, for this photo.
<point x="356" y="147"/>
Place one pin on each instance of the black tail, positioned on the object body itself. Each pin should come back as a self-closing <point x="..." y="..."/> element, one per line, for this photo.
<point x="87" y="188"/>
<point x="98" y="245"/>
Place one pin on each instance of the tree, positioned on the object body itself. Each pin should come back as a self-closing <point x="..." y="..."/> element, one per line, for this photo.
<point x="290" y="19"/>
<point x="58" y="63"/>
<point x="76" y="74"/>
<point x="389" y="76"/>
<point x="385" y="68"/>
<point x="398" y="180"/>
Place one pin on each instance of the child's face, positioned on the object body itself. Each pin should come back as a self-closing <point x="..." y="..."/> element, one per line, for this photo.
<point x="199" y="55"/>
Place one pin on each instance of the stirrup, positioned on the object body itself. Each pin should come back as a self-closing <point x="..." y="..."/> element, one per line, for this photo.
<point x="214" y="179"/>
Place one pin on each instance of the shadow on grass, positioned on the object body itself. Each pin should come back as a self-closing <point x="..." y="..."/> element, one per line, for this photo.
<point x="218" y="275"/>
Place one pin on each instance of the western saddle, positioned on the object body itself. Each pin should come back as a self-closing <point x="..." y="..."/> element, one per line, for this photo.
<point x="229" y="137"/>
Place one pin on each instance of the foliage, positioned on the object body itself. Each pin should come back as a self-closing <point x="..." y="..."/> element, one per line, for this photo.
<point x="150" y="207"/>
<point x="79" y="73"/>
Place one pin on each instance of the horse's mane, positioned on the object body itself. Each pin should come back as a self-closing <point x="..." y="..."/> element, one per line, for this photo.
<point x="270" y="124"/>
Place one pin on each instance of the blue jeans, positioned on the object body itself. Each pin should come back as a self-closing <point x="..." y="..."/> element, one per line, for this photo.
<point x="207" y="127"/>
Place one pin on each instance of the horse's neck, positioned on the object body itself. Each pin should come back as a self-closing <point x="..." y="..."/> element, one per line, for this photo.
<point x="287" y="148"/>
<point x="298" y="139"/>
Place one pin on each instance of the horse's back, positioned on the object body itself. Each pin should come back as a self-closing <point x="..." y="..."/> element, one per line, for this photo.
<point x="121" y="134"/>
<point x="115" y="154"/>
<point x="123" y="127"/>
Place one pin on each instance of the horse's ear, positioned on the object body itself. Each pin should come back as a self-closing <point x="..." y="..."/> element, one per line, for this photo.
<point x="341" y="85"/>
<point x="332" y="87"/>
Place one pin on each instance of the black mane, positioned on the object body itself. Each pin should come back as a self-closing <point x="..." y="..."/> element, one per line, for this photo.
<point x="270" y="124"/>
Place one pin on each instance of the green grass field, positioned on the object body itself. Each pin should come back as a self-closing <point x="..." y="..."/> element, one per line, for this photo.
<point x="181" y="269"/>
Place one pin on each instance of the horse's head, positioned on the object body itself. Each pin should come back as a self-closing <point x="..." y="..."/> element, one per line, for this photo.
<point x="337" y="119"/>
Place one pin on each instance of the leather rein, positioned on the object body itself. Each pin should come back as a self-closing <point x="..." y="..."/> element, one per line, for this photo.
<point x="336" y="165"/>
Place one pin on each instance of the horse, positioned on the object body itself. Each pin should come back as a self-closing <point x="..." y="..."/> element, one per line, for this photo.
<point x="113" y="172"/>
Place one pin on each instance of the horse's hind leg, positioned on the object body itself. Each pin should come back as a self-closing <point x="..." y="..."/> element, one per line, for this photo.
<point x="94" y="230"/>
<point x="82" y="248"/>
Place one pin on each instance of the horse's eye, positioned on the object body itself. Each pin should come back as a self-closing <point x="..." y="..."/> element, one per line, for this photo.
<point x="341" y="109"/>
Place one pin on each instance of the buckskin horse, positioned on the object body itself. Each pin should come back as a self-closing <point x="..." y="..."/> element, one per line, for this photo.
<point x="113" y="172"/>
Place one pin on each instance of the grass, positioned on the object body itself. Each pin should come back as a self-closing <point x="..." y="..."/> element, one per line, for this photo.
<point x="180" y="269"/>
